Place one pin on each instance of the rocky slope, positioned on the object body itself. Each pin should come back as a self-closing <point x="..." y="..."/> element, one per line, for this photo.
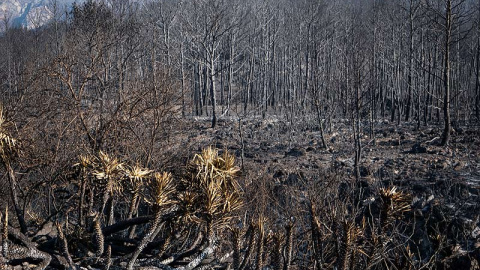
<point x="29" y="13"/>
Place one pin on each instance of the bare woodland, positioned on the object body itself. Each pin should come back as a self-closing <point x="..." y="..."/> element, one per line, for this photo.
<point x="213" y="134"/>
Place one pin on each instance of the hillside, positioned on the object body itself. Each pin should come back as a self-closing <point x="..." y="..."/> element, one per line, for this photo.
<point x="30" y="13"/>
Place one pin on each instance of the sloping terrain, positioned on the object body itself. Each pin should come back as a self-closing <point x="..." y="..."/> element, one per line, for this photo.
<point x="30" y="13"/>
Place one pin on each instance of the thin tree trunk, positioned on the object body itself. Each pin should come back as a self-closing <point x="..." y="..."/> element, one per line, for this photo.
<point x="477" y="79"/>
<point x="212" y="91"/>
<point x="410" y="66"/>
<point x="183" y="79"/>
<point x="446" y="77"/>
<point x="82" y="199"/>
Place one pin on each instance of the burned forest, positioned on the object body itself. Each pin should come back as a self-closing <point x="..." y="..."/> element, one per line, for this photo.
<point x="240" y="134"/>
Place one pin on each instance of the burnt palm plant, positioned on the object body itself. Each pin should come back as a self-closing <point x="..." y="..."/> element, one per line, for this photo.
<point x="370" y="235"/>
<point x="219" y="194"/>
<point x="393" y="205"/>
<point x="136" y="176"/>
<point x="109" y="172"/>
<point x="160" y="196"/>
<point x="210" y="197"/>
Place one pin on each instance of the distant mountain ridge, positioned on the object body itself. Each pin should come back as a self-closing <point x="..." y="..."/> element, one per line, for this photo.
<point x="28" y="13"/>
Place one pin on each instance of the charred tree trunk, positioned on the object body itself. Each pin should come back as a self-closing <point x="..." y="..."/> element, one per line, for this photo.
<point x="16" y="202"/>
<point x="213" y="92"/>
<point x="446" y="76"/>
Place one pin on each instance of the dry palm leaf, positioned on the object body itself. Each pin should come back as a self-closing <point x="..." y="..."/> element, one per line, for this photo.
<point x="136" y="174"/>
<point x="210" y="166"/>
<point x="395" y="204"/>
<point x="163" y="187"/>
<point x="108" y="168"/>
<point x="84" y="162"/>
<point x="188" y="207"/>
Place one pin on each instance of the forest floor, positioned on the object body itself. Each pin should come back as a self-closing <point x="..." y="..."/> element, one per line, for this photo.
<point x="397" y="153"/>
